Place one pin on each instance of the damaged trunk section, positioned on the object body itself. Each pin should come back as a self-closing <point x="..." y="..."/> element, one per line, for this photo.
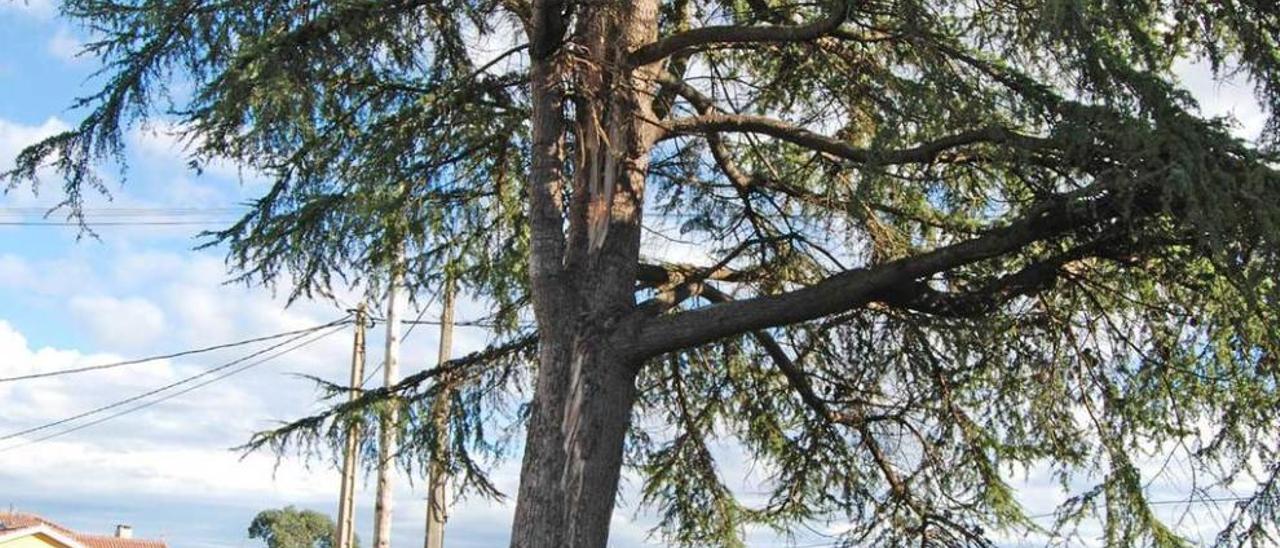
<point x="592" y="135"/>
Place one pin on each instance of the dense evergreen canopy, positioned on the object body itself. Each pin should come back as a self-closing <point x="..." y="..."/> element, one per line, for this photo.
<point x="897" y="250"/>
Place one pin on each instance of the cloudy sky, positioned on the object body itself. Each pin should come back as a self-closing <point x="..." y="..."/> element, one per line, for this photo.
<point x="137" y="291"/>
<point x="140" y="291"/>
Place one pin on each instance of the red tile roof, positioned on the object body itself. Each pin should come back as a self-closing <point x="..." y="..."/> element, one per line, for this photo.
<point x="102" y="541"/>
<point x="18" y="520"/>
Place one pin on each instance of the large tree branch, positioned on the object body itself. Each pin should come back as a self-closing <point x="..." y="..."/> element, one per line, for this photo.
<point x="848" y="290"/>
<point x="799" y="382"/>
<point x="923" y="153"/>
<point x="1035" y="277"/>
<point x="677" y="283"/>
<point x="705" y="37"/>
<point x="675" y="280"/>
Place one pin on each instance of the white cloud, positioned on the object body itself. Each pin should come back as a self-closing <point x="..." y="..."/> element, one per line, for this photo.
<point x="66" y="46"/>
<point x="176" y="446"/>
<point x="15" y="136"/>
<point x="14" y="271"/>
<point x="145" y="268"/>
<point x="54" y="277"/>
<point x="1231" y="97"/>
<point x="127" y="323"/>
<point x="29" y="402"/>
<point x="162" y="143"/>
<point x="178" y="450"/>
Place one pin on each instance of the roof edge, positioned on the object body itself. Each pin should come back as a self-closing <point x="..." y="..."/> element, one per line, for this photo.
<point x="42" y="529"/>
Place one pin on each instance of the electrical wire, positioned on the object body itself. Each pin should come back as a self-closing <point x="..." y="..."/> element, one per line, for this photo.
<point x="46" y="210"/>
<point x="92" y="224"/>
<point x="340" y="321"/>
<point x="162" y="216"/>
<point x="172" y="385"/>
<point x="166" y="397"/>
<point x="416" y="321"/>
<point x="122" y="216"/>
<point x="460" y="323"/>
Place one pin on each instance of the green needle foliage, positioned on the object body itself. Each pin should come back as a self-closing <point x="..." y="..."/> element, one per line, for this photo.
<point x="960" y="238"/>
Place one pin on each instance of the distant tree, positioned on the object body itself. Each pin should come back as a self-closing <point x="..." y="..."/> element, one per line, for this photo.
<point x="290" y="527"/>
<point x="891" y="249"/>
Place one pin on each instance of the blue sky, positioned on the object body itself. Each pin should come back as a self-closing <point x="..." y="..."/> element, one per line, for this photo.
<point x="67" y="301"/>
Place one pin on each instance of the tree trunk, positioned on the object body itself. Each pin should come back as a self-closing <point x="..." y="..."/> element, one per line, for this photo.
<point x="573" y="456"/>
<point x="583" y="281"/>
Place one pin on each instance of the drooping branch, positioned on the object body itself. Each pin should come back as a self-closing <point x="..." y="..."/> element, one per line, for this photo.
<point x="701" y="38"/>
<point x="798" y="380"/>
<point x="796" y="377"/>
<point x="277" y="439"/>
<point x="858" y="421"/>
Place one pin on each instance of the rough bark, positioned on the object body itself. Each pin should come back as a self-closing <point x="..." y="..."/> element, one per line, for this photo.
<point x="583" y="275"/>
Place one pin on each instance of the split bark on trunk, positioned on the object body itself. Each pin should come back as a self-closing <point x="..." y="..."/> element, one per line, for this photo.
<point x="583" y="279"/>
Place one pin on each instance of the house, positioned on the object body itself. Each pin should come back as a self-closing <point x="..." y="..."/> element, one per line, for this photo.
<point x="22" y="530"/>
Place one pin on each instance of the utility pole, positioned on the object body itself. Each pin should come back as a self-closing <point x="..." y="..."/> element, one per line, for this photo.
<point x="438" y="477"/>
<point x="346" y="502"/>
<point x="387" y="439"/>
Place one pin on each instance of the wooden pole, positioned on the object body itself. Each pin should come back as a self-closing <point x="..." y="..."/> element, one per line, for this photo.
<point x="346" y="500"/>
<point x="438" y="477"/>
<point x="387" y="439"/>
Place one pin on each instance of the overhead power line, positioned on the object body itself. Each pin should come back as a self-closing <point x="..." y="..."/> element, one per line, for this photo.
<point x="412" y="324"/>
<point x="92" y="224"/>
<point x="155" y="391"/>
<point x="264" y="356"/>
<point x="339" y="321"/>
<point x="120" y="216"/>
<point x="460" y="323"/>
<point x="44" y="210"/>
